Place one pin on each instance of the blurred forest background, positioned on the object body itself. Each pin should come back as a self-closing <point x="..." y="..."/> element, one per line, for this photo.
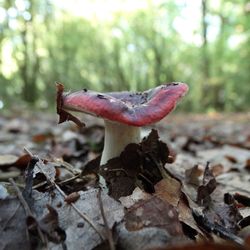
<point x="126" y="44"/>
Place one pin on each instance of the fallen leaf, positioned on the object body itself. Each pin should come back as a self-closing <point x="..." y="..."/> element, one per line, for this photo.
<point x="13" y="229"/>
<point x="153" y="212"/>
<point x="185" y="216"/>
<point x="217" y="169"/>
<point x="207" y="187"/>
<point x="137" y="195"/>
<point x="203" y="246"/>
<point x="7" y="160"/>
<point x="192" y="175"/>
<point x="224" y="214"/>
<point x="49" y="224"/>
<point x="168" y="189"/>
<point x="88" y="204"/>
<point x="22" y="161"/>
<point x="146" y="238"/>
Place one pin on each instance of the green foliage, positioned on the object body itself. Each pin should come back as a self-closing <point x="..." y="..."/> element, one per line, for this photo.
<point x="134" y="51"/>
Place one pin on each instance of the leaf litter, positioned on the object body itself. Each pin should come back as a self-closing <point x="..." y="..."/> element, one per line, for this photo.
<point x="158" y="196"/>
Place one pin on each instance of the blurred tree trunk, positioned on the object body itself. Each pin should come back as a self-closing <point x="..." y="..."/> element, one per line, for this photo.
<point x="162" y="71"/>
<point x="29" y="66"/>
<point x="245" y="62"/>
<point x="158" y="64"/>
<point x="4" y="26"/>
<point x="122" y="82"/>
<point x="205" y="54"/>
<point x="219" y="88"/>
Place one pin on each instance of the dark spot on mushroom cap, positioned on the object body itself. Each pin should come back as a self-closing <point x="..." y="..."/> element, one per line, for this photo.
<point x="101" y="96"/>
<point x="171" y="84"/>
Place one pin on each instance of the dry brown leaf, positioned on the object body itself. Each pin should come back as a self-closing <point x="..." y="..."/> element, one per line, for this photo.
<point x="153" y="213"/>
<point x="168" y="189"/>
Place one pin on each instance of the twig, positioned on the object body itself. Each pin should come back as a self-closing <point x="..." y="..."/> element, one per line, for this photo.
<point x="51" y="182"/>
<point x="20" y="197"/>
<point x="108" y="231"/>
<point x="59" y="183"/>
<point x="69" y="167"/>
<point x="40" y="184"/>
<point x="27" y="192"/>
<point x="70" y="179"/>
<point x="26" y="207"/>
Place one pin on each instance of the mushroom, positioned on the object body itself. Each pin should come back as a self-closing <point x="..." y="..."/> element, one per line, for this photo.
<point x="123" y="112"/>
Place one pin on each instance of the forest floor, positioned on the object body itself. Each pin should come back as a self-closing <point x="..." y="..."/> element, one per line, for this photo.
<point x="185" y="186"/>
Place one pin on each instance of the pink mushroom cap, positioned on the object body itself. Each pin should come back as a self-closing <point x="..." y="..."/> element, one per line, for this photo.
<point x="135" y="109"/>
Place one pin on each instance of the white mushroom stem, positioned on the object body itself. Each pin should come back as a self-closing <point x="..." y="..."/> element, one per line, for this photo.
<point x="117" y="137"/>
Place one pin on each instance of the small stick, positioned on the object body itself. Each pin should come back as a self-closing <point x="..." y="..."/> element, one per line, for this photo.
<point x="108" y="231"/>
<point x="27" y="192"/>
<point x="26" y="207"/>
<point x="68" y="166"/>
<point x="69" y="179"/>
<point x="40" y="184"/>
<point x="84" y="216"/>
<point x="20" y="197"/>
<point x="59" y="183"/>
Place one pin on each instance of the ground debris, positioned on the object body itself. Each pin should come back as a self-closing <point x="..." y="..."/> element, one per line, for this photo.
<point x="161" y="196"/>
<point x="207" y="187"/>
<point x="153" y="213"/>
